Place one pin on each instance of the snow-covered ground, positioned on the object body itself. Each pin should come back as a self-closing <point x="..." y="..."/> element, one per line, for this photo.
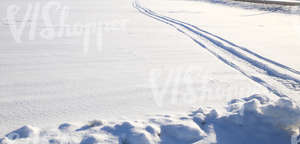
<point x="255" y="119"/>
<point x="148" y="69"/>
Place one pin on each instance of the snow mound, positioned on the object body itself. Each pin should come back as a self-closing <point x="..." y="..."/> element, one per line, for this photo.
<point x="255" y="119"/>
<point x="181" y="133"/>
<point x="91" y="124"/>
<point x="282" y="113"/>
<point x="129" y="134"/>
<point x="23" y="132"/>
<point x="66" y="127"/>
<point x="89" y="140"/>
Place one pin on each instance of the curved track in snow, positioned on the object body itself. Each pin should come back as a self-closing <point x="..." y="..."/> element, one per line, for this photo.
<point x="280" y="79"/>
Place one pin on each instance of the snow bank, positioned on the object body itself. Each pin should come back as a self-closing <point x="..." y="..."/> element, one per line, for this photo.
<point x="255" y="119"/>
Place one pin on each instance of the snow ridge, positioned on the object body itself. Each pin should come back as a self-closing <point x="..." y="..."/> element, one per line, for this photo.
<point x="255" y="119"/>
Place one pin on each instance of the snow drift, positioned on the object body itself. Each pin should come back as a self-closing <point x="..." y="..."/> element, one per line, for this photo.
<point x="255" y="119"/>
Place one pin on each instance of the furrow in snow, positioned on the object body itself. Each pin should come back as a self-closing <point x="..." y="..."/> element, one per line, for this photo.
<point x="281" y="80"/>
